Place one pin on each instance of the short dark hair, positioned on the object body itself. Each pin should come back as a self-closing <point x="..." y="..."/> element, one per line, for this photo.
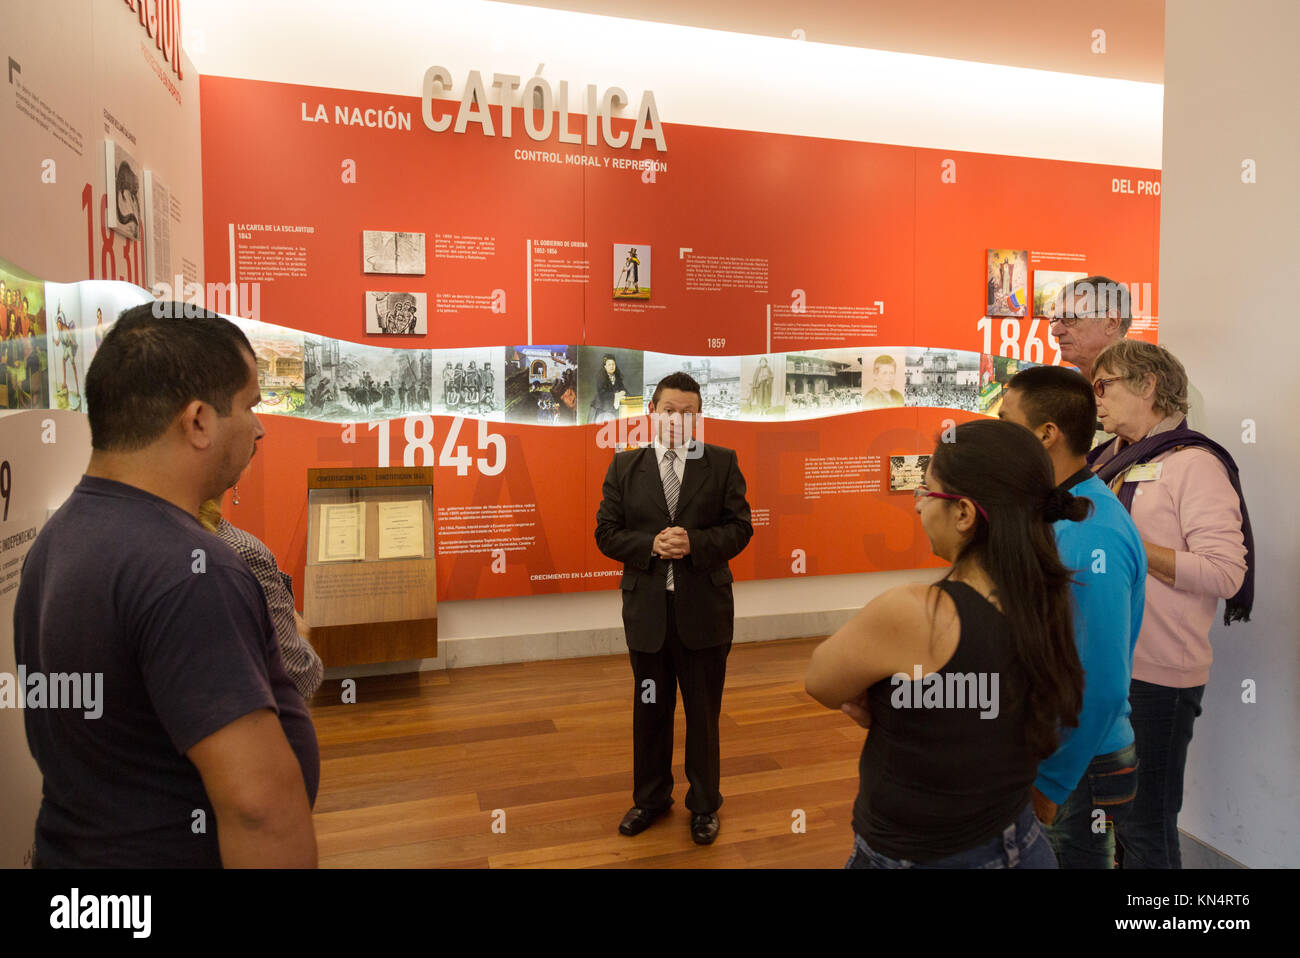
<point x="680" y="381"/>
<point x="150" y="367"/>
<point x="1062" y="396"/>
<point x="884" y="360"/>
<point x="1107" y="296"/>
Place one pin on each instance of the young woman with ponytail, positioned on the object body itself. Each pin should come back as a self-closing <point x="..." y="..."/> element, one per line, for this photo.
<point x="965" y="682"/>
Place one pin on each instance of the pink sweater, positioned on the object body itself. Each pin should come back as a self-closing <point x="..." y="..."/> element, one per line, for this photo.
<point x="1193" y="510"/>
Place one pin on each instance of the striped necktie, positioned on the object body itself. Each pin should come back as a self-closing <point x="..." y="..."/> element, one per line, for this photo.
<point x="672" y="488"/>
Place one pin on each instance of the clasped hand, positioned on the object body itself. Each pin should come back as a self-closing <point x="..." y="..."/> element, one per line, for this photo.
<point x="672" y="543"/>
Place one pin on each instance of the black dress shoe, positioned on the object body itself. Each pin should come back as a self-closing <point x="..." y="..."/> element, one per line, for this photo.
<point x="638" y="819"/>
<point x="704" y="828"/>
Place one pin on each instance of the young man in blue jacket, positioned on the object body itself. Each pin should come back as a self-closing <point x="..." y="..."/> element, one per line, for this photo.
<point x="1090" y="780"/>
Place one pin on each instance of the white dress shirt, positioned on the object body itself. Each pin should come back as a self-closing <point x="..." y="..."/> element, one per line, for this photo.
<point x="679" y="467"/>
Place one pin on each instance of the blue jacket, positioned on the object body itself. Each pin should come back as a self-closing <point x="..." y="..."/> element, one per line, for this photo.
<point x="1109" y="563"/>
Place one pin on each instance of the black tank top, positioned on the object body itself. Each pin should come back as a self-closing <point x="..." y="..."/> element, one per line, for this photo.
<point x="939" y="780"/>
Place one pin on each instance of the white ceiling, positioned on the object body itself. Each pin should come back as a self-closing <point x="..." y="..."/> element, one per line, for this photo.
<point x="1039" y="34"/>
<point x="699" y="75"/>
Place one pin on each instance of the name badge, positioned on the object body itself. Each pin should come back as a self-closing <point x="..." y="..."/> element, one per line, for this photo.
<point x="1144" y="472"/>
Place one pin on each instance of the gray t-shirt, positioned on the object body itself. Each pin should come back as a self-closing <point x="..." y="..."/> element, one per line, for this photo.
<point x="123" y="583"/>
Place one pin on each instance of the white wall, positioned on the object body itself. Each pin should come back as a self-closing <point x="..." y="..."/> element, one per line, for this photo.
<point x="47" y="452"/>
<point x="1229" y="275"/>
<point x="87" y="61"/>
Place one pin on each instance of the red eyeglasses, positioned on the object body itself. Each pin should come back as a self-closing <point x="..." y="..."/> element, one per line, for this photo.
<point x="920" y="492"/>
<point x="1099" y="387"/>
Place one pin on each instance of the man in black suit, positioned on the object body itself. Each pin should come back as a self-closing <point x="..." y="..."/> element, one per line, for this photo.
<point x="674" y="513"/>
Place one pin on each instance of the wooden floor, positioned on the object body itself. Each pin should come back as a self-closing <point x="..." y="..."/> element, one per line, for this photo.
<point x="412" y="774"/>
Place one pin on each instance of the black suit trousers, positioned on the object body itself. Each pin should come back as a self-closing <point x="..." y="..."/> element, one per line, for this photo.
<point x="701" y="674"/>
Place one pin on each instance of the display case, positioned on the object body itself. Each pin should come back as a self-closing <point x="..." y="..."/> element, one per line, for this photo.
<point x="371" y="589"/>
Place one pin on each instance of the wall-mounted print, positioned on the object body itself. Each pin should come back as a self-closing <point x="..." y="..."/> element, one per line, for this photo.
<point x="66" y="347"/>
<point x="348" y="382"/>
<point x="907" y="472"/>
<point x="23" y="343"/>
<point x="280" y="366"/>
<point x="1008" y="282"/>
<point x="384" y="251"/>
<point x="609" y="384"/>
<point x="124" y="180"/>
<point x="1048" y="284"/>
<point x="948" y="378"/>
<point x="823" y="382"/>
<point x="762" y="385"/>
<point x="995" y="373"/>
<point x="397" y="314"/>
<point x="885" y="378"/>
<point x="469" y="382"/>
<point x="542" y="384"/>
<point x="631" y="271"/>
<point x="718" y="376"/>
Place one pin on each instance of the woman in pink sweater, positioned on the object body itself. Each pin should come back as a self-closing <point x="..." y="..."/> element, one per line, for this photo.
<point x="1182" y="491"/>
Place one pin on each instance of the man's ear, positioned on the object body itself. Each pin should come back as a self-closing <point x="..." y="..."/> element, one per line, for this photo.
<point x="197" y="421"/>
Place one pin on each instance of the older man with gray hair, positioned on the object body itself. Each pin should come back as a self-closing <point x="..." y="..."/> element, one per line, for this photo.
<point x="1092" y="314"/>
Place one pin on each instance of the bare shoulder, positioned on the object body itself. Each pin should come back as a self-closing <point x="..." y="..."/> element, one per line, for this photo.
<point x="907" y="610"/>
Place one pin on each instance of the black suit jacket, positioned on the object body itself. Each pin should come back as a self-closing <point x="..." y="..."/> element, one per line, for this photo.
<point x="711" y="507"/>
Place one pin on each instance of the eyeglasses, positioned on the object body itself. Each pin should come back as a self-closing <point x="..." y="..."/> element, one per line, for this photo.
<point x="1099" y="387"/>
<point x="1069" y="322"/>
<point x="920" y="492"/>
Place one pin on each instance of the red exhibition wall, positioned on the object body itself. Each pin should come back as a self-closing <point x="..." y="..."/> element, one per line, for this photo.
<point x="759" y="244"/>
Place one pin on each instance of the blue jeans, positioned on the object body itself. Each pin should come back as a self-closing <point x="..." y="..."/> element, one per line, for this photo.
<point x="1022" y="844"/>
<point x="1162" y="725"/>
<point x="1108" y="785"/>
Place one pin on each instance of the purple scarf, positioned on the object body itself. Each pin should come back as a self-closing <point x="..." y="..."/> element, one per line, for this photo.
<point x="1144" y="450"/>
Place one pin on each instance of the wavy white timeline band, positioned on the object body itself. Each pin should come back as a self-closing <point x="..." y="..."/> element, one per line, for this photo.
<point x="763" y="387"/>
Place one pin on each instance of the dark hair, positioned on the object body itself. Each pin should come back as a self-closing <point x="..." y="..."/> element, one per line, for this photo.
<point x="1106" y="295"/>
<point x="602" y="377"/>
<point x="680" y="381"/>
<point x="884" y="360"/>
<point x="1062" y="396"/>
<point x="1004" y="468"/>
<point x="150" y="367"/>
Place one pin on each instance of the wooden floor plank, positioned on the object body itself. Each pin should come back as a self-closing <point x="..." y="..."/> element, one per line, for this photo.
<point x="530" y="765"/>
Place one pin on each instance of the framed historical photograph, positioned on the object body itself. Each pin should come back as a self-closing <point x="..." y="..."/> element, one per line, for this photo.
<point x="631" y="271"/>
<point x="385" y="251"/>
<point x="124" y="179"/>
<point x="397" y="314"/>
<point x="1008" y="282"/>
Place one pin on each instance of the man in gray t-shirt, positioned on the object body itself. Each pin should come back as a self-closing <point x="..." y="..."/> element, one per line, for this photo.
<point x="197" y="750"/>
